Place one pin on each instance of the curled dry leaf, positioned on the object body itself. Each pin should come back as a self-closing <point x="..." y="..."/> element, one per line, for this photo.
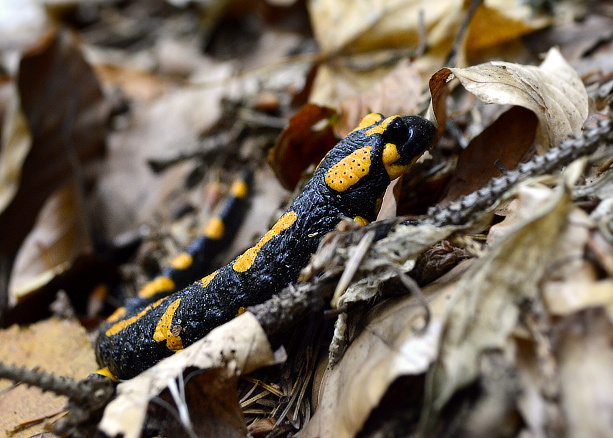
<point x="553" y="91"/>
<point x="234" y="349"/>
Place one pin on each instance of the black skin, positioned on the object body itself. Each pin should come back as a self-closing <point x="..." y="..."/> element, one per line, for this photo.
<point x="203" y="250"/>
<point x="319" y="209"/>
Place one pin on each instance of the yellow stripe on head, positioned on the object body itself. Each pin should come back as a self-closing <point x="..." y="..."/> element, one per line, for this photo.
<point x="369" y="120"/>
<point x="117" y="314"/>
<point x="361" y="221"/>
<point x="381" y="127"/>
<point x="107" y="373"/>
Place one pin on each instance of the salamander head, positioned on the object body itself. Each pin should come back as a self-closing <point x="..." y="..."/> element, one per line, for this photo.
<point x="359" y="168"/>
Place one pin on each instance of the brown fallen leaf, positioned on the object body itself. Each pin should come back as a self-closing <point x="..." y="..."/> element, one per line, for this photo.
<point x="59" y="237"/>
<point x="586" y="385"/>
<point x="399" y="92"/>
<point x="57" y="346"/>
<point x="211" y="400"/>
<point x="371" y="28"/>
<point x="504" y="142"/>
<point x="66" y="115"/>
<point x="305" y="141"/>
<point x="56" y="127"/>
<point x="553" y="91"/>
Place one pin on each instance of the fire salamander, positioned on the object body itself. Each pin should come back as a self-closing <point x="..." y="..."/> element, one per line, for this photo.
<point x="197" y="259"/>
<point x="349" y="182"/>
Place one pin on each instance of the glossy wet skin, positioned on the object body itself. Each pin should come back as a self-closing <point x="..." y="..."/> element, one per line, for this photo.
<point x="349" y="182"/>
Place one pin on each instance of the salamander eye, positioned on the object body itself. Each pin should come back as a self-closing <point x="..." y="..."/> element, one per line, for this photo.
<point x="412" y="135"/>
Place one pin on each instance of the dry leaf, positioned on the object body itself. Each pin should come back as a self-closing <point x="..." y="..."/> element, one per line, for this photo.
<point x="576" y="284"/>
<point x="487" y="303"/>
<point x="399" y="92"/>
<point x="372" y="28"/>
<point x="234" y="349"/>
<point x="391" y="345"/>
<point x="369" y="25"/>
<point x="302" y="143"/>
<point x="553" y="91"/>
<point x="60" y="347"/>
<point x="59" y="236"/>
<point x="586" y="385"/>
<point x="504" y="142"/>
<point x="66" y="115"/>
<point x="497" y="22"/>
<point x="212" y="401"/>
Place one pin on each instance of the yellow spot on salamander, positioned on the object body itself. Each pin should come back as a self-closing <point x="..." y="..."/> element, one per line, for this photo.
<point x="116" y="328"/>
<point x="156" y="286"/>
<point x="107" y="373"/>
<point x="368" y="120"/>
<point x="206" y="280"/>
<point x="349" y="170"/>
<point x="381" y="127"/>
<point x="182" y="261"/>
<point x="389" y="157"/>
<point x="239" y="189"/>
<point x="116" y="315"/>
<point x="360" y="221"/>
<point x="241" y="310"/>
<point x="164" y="329"/>
<point x="246" y="259"/>
<point x="214" y="229"/>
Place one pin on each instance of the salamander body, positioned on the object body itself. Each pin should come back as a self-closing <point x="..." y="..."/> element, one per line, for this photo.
<point x="349" y="182"/>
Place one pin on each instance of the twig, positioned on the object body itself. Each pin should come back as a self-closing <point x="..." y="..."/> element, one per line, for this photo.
<point x="464" y="210"/>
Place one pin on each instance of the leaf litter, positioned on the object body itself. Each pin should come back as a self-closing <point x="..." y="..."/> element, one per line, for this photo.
<point x="505" y="341"/>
